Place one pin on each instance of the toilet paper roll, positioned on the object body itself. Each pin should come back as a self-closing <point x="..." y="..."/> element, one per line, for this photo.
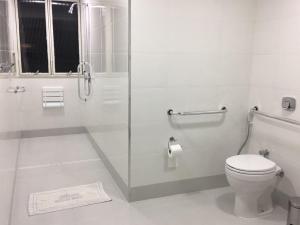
<point x="174" y="150"/>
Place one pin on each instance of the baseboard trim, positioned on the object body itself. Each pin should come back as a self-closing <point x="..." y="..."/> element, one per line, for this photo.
<point x="177" y="187"/>
<point x="53" y="132"/>
<point x="10" y="135"/>
<point x="42" y="132"/>
<point x="114" y="173"/>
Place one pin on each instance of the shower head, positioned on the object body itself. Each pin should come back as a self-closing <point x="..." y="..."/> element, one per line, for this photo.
<point x="70" y="11"/>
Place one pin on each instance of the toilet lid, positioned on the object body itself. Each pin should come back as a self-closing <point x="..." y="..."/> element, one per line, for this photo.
<point x="251" y="163"/>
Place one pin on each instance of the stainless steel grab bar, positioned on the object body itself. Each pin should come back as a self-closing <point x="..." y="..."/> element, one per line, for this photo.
<point x="171" y="112"/>
<point x="255" y="110"/>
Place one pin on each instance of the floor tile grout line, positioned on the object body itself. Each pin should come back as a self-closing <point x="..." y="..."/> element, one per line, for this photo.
<point x="59" y="164"/>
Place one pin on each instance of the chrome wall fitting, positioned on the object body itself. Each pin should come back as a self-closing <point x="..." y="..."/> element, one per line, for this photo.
<point x="288" y="103"/>
<point x="264" y="152"/>
<point x="171" y="141"/>
<point x="16" y="89"/>
<point x="280" y="173"/>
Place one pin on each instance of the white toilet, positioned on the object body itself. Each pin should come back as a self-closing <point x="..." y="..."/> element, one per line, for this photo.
<point x="253" y="179"/>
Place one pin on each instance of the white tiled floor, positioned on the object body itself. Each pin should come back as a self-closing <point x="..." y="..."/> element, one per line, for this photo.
<point x="39" y="173"/>
<point x="55" y="150"/>
<point x="8" y="156"/>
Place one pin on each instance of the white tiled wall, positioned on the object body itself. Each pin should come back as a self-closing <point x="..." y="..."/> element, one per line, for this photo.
<point x="34" y="116"/>
<point x="24" y="111"/>
<point x="276" y="73"/>
<point x="199" y="54"/>
<point x="188" y="55"/>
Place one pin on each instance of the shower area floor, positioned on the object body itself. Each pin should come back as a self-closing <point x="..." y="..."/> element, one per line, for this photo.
<point x="47" y="163"/>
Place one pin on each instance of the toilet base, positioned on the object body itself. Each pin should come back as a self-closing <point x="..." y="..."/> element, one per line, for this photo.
<point x="251" y="206"/>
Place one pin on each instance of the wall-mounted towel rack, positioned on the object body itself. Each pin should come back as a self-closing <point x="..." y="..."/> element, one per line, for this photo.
<point x="255" y="110"/>
<point x="171" y="112"/>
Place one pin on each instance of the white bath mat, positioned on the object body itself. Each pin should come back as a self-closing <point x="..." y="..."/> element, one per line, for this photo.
<point x="66" y="198"/>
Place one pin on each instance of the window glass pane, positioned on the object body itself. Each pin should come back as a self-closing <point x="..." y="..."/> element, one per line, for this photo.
<point x="33" y="42"/>
<point x="120" y="40"/>
<point x="65" y="32"/>
<point x="5" y="61"/>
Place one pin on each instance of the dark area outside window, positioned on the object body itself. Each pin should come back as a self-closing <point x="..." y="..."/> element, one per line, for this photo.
<point x="65" y="32"/>
<point x="33" y="41"/>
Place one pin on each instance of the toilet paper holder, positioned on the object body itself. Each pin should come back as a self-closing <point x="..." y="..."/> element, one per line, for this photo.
<point x="174" y="151"/>
<point x="174" y="148"/>
<point x="171" y="141"/>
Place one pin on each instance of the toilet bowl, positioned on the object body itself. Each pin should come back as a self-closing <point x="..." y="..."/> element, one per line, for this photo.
<point x="253" y="179"/>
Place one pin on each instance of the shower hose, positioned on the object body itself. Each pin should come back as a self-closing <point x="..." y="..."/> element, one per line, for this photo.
<point x="249" y="126"/>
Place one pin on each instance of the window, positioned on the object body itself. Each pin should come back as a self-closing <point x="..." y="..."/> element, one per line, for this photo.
<point x="65" y="33"/>
<point x="5" y="54"/>
<point x="33" y="38"/>
<point x="48" y="36"/>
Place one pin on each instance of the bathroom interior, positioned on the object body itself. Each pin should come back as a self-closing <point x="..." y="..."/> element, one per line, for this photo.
<point x="151" y="112"/>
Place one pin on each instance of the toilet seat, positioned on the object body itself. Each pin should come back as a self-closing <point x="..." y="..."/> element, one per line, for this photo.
<point x="250" y="165"/>
<point x="241" y="172"/>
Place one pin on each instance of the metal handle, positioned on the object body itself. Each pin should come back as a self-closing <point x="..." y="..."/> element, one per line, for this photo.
<point x="171" y="112"/>
<point x="255" y="110"/>
<point x="87" y="80"/>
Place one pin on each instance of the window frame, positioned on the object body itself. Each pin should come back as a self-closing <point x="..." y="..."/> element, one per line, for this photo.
<point x="50" y="43"/>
